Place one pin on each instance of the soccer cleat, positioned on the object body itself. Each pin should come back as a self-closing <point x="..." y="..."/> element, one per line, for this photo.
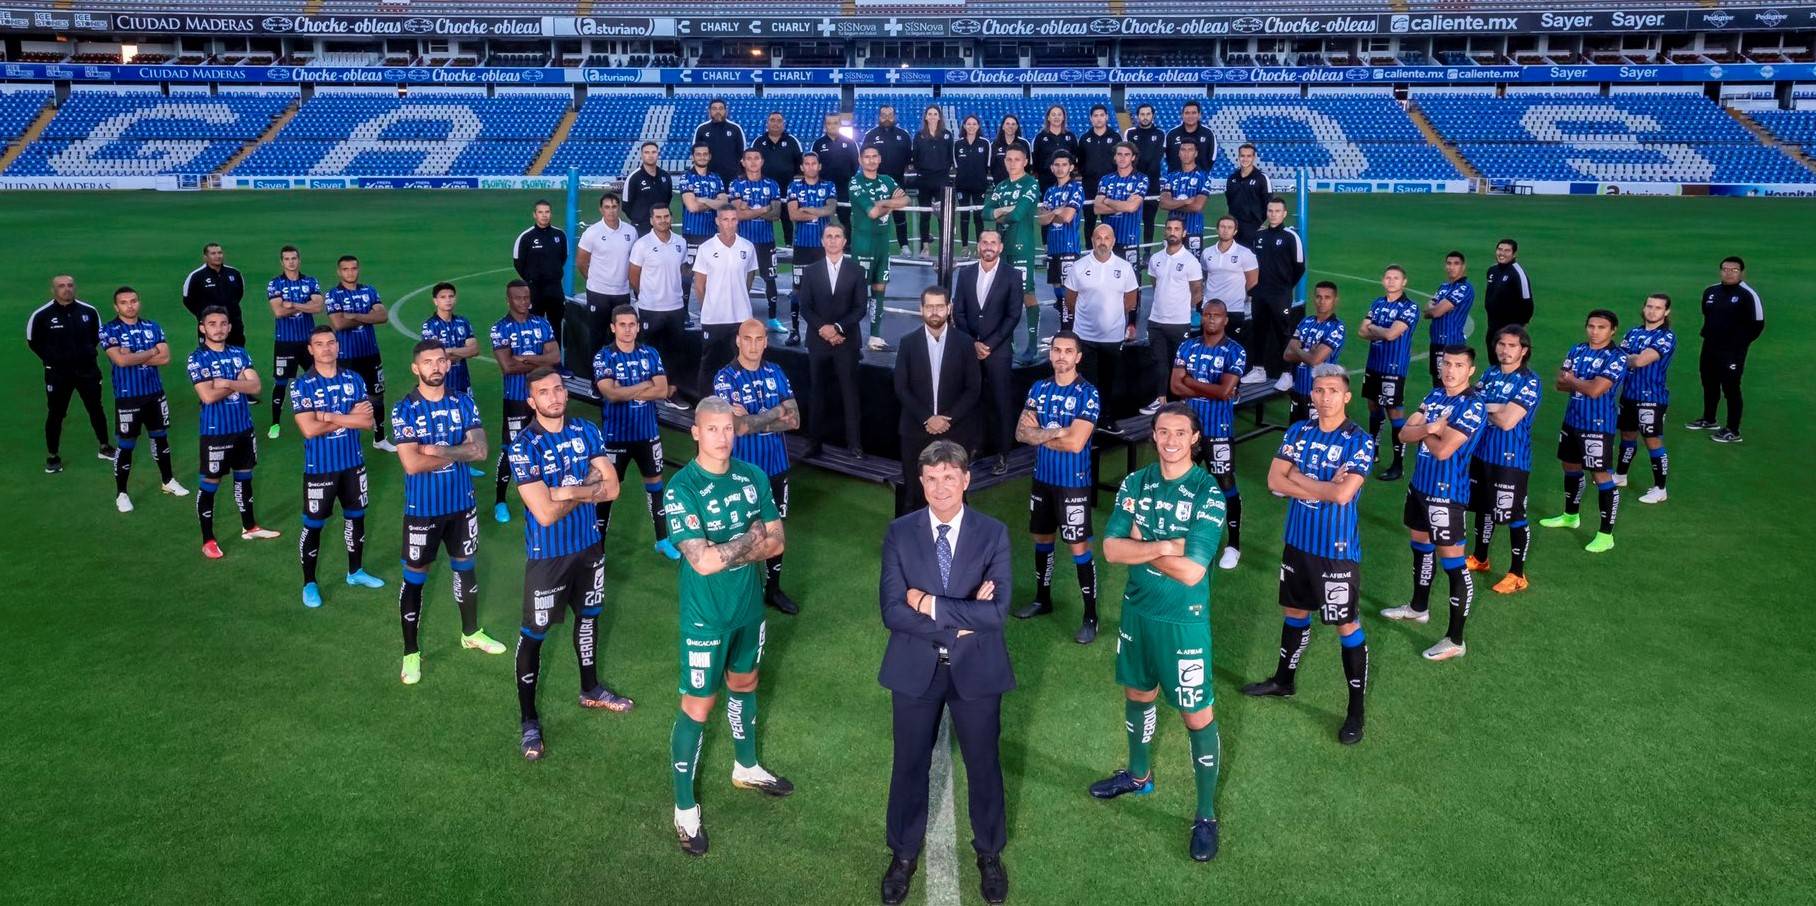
<point x="601" y="697"/>
<point x="1404" y="613"/>
<point x="1600" y="544"/>
<point x="106" y="453"/>
<point x="1000" y="465"/>
<point x="756" y="778"/>
<point x="312" y="595"/>
<point x="1392" y="473"/>
<point x="1230" y="558"/>
<point x="173" y="489"/>
<point x="212" y="550"/>
<point x="794" y="338"/>
<point x="123" y="503"/>
<point x="1087" y="633"/>
<point x="775" y="325"/>
<point x="690" y="832"/>
<point x="780" y="600"/>
<point x="1476" y="566"/>
<point x="1351" y="732"/>
<point x="501" y="514"/>
<point x="1204" y="839"/>
<point x="1269" y="687"/>
<point x="482" y="642"/>
<point x="667" y="549"/>
<point x="1620" y="481"/>
<point x="1154" y="406"/>
<point x="273" y="433"/>
<point x="361" y="577"/>
<point x="1256" y="375"/>
<point x="476" y="472"/>
<point x="876" y="344"/>
<point x="531" y="744"/>
<point x="1654" y="495"/>
<point x="52" y="465"/>
<point x="257" y="533"/>
<point x="1563" y="520"/>
<point x="1120" y="783"/>
<point x="1446" y="649"/>
<point x="1510" y="584"/>
<point x="385" y="445"/>
<point x="1702" y="424"/>
<point x="1034" y="609"/>
<point x="412" y="672"/>
<point x="677" y="405"/>
<point x="1724" y="436"/>
<point x="1285" y="382"/>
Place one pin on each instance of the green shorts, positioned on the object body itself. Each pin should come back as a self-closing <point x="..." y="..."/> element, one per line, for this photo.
<point x="1024" y="261"/>
<point x="875" y="258"/>
<point x="708" y="653"/>
<point x="1172" y="657"/>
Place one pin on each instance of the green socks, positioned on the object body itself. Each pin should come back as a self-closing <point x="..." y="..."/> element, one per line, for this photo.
<point x="1207" y="758"/>
<point x="684" y="756"/>
<point x="1138" y="718"/>
<point x="741" y="713"/>
<point x="1032" y="313"/>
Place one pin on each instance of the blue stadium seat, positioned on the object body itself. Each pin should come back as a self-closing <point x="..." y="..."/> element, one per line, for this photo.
<point x="355" y="134"/>
<point x="103" y="133"/>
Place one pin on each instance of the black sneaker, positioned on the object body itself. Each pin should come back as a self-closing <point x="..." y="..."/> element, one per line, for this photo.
<point x="1392" y="473"/>
<point x="1087" y="633"/>
<point x="1204" y="839"/>
<point x="781" y="601"/>
<point x="1035" y="609"/>
<point x="53" y="465"/>
<point x="1703" y="424"/>
<point x="532" y="741"/>
<point x="107" y="453"/>
<point x="1351" y="732"/>
<point x="1724" y="436"/>
<point x="694" y="845"/>
<point x="1119" y="783"/>
<point x="1269" y="686"/>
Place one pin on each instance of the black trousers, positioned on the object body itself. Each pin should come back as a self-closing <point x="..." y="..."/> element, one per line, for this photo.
<point x="1101" y="364"/>
<point x="928" y="193"/>
<point x="978" y="725"/>
<point x="1722" y="365"/>
<point x="970" y="225"/>
<point x="1001" y="407"/>
<point x="1245" y="234"/>
<point x="718" y="346"/>
<point x="664" y="331"/>
<point x="1240" y="329"/>
<point x="1271" y="322"/>
<point x="1164" y="341"/>
<point x="547" y="300"/>
<point x="59" y="385"/>
<point x="831" y="369"/>
<point x="912" y="497"/>
<point x="1499" y="316"/>
<point x="599" y="319"/>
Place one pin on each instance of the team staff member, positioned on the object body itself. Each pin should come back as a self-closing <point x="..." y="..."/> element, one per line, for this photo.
<point x="1166" y="526"/>
<point x="1317" y="340"/>
<point x="1060" y="414"/>
<point x="838" y="161"/>
<point x="1644" y="396"/>
<point x="603" y="259"/>
<point x="353" y="308"/>
<point x="437" y="428"/>
<point x="455" y="334"/>
<point x="1205" y="372"/>
<point x="648" y="188"/>
<point x="812" y="204"/>
<point x="1118" y="197"/>
<point x="1733" y="318"/>
<point x="1013" y="206"/>
<point x="985" y="307"/>
<point x="1590" y="374"/>
<point x="656" y="272"/>
<point x="702" y="197"/>
<point x="562" y="474"/>
<point x="970" y="178"/>
<point x="217" y="283"/>
<point x="1190" y="131"/>
<point x="295" y="299"/>
<point x="63" y="333"/>
<point x="723" y="519"/>
<point x="1506" y="293"/>
<point x="1102" y="294"/>
<point x="1008" y="136"/>
<point x="1060" y="208"/>
<point x="765" y="406"/>
<point x="1183" y="193"/>
<point x="894" y="146"/>
<point x="724" y="141"/>
<point x="1150" y="143"/>
<point x="521" y="342"/>
<point x="1230" y="274"/>
<point x="1320" y="468"/>
<point x="932" y="159"/>
<point x="1052" y="139"/>
<point x="1501" y="466"/>
<point x="1178" y="284"/>
<point x="937" y="383"/>
<point x="875" y="197"/>
<point x="1448" y="311"/>
<point x="1280" y="260"/>
<point x="723" y="269"/>
<point x="540" y="256"/>
<point x="832" y="300"/>
<point x="631" y="380"/>
<point x="782" y="154"/>
<point x="222" y="376"/>
<point x="331" y="406"/>
<point x="1245" y="194"/>
<point x="1388" y="330"/>
<point x="758" y="200"/>
<point x="136" y="349"/>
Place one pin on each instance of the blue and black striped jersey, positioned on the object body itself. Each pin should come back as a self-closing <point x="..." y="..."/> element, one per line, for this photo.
<point x="452" y="333"/>
<point x="757" y="391"/>
<point x="1186" y="185"/>
<point x="1063" y="238"/>
<point x="1595" y="414"/>
<point x="525" y="337"/>
<point x="1209" y="364"/>
<point x="1312" y="333"/>
<point x="1448" y="479"/>
<point x="139" y="336"/>
<point x="558" y="459"/>
<point x="636" y="419"/>
<point x="1508" y="447"/>
<point x="1324" y="528"/>
<point x="757" y="193"/>
<point x="810" y="195"/>
<point x="1452" y="327"/>
<point x="230" y="414"/>
<point x="358" y="341"/>
<point x="703" y="186"/>
<point x="1645" y="384"/>
<point x="436" y="423"/>
<point x="1117" y="187"/>
<point x="1057" y="405"/>
<point x="1390" y="357"/>
<point x="338" y="449"/>
<point x="293" y="328"/>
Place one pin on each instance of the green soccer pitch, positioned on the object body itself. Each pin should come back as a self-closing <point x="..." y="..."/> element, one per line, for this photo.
<point x="183" y="731"/>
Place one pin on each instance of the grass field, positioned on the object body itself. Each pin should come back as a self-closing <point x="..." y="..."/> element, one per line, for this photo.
<point x="183" y="731"/>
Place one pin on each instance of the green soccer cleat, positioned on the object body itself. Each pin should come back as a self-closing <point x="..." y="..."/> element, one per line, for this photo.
<point x="1600" y="544"/>
<point x="412" y="673"/>
<point x="482" y="642"/>
<point x="1563" y="520"/>
<point x="273" y="433"/>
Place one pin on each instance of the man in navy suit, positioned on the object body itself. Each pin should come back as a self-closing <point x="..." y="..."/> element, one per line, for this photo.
<point x="984" y="305"/>
<point x="945" y="591"/>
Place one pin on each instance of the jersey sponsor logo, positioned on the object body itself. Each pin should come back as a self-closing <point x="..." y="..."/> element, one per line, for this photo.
<point x="1336" y="594"/>
<point x="1075" y="514"/>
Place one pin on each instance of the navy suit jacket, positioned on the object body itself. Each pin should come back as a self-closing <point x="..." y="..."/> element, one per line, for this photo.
<point x="980" y="661"/>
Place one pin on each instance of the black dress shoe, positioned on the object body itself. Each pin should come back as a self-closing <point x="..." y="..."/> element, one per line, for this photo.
<point x="993" y="879"/>
<point x="781" y="601"/>
<point x="1036" y="609"/>
<point x="895" y="881"/>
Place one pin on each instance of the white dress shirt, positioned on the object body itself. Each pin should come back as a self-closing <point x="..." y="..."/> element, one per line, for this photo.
<point x="933" y="525"/>
<point x="936" y="353"/>
<point x="986" y="279"/>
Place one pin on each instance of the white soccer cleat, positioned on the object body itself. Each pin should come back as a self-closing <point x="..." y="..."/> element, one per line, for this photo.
<point x="258" y="534"/>
<point x="1256" y="375"/>
<point x="876" y="344"/>
<point x="1285" y="382"/>
<point x="123" y="503"/>
<point x="1655" y="495"/>
<point x="385" y="445"/>
<point x="1154" y="406"/>
<point x="1405" y="614"/>
<point x="173" y="489"/>
<point x="1231" y="557"/>
<point x="1620" y="481"/>
<point x="1444" y="650"/>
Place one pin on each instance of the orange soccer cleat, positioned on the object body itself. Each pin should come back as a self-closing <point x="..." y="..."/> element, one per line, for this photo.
<point x="1476" y="566"/>
<point x="1511" y="583"/>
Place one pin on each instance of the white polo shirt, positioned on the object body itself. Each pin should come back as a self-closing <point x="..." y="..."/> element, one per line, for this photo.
<point x="1224" y="275"/>
<point x="1101" y="286"/>
<point x="727" y="270"/>
<point x="1173" y="274"/>
<point x="660" y="264"/>
<point x="607" y="272"/>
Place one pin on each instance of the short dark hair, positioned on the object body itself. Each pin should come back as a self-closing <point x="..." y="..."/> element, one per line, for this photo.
<point x="1277" y="200"/>
<point x="423" y="346"/>
<point x="213" y="310"/>
<point x="610" y="195"/>
<point x="1325" y="284"/>
<point x="540" y="372"/>
<point x="1097" y="107"/>
<point x="649" y="145"/>
<point x="1463" y="349"/>
<point x="320" y="329"/>
<point x="936" y="290"/>
<point x="1245" y="146"/>
<point x="1513" y="245"/>
<point x="288" y="249"/>
<point x="516" y="284"/>
<point x="441" y="286"/>
<point x="698" y="145"/>
<point x="719" y="101"/>
<point x="1181" y="408"/>
<point x="1141" y="107"/>
<point x="1735" y="260"/>
<point x="1225" y="216"/>
<point x="1213" y="300"/>
<point x="813" y="154"/>
<point x="346" y="258"/>
<point x="542" y="203"/>
<point x="1193" y="105"/>
<point x="1394" y="267"/>
<point x="1067" y="335"/>
<point x="943" y="453"/>
<point x="1613" y="319"/>
<point x="1129" y="145"/>
<point x="210" y="245"/>
<point x="1061" y="154"/>
<point x="1453" y="253"/>
<point x="127" y="289"/>
<point x="619" y="311"/>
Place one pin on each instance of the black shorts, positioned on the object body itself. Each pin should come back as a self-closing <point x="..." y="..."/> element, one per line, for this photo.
<point x="766" y="260"/>
<point x="1058" y="265"/>
<point x="223" y="453"/>
<point x="371" y="369"/>
<point x="1333" y="588"/>
<point x="1499" y="491"/>
<point x="288" y="359"/>
<point x="1218" y="456"/>
<point x="1057" y="510"/>
<point x="1444" y="520"/>
<point x="1302" y="406"/>
<point x="1132" y="254"/>
<point x="1593" y="449"/>
<point x="575" y="581"/>
<point x="1646" y="418"/>
<point x="1194" y="243"/>
<point x="1386" y="390"/>
<point x="458" y="532"/>
<point x="778" y="489"/>
<point x="647" y="454"/>
<point x="132" y="413"/>
<point x="693" y="247"/>
<point x="516" y="418"/>
<point x="320" y="491"/>
<point x="800" y="257"/>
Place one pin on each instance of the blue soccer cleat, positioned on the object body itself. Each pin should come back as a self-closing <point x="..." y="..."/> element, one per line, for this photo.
<point x="501" y="513"/>
<point x="476" y="472"/>
<point x="1120" y="783"/>
<point x="667" y="549"/>
<point x="361" y="577"/>
<point x="312" y="595"/>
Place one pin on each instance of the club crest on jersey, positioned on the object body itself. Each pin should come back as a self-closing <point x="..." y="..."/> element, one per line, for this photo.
<point x="750" y="493"/>
<point x="1182" y="510"/>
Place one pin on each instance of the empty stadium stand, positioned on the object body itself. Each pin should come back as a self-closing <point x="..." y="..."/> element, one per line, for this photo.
<point x="612" y="124"/>
<point x="122" y="133"/>
<point x="361" y="133"/>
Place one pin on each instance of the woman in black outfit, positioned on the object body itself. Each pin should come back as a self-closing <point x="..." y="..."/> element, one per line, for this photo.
<point x="1008" y="135"/>
<point x="1054" y="137"/>
<point x="932" y="160"/>
<point x="970" y="177"/>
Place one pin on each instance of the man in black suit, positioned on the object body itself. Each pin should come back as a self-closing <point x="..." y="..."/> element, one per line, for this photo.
<point x="833" y="294"/>
<point x="985" y="305"/>
<point x="946" y="587"/>
<point x="937" y="384"/>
